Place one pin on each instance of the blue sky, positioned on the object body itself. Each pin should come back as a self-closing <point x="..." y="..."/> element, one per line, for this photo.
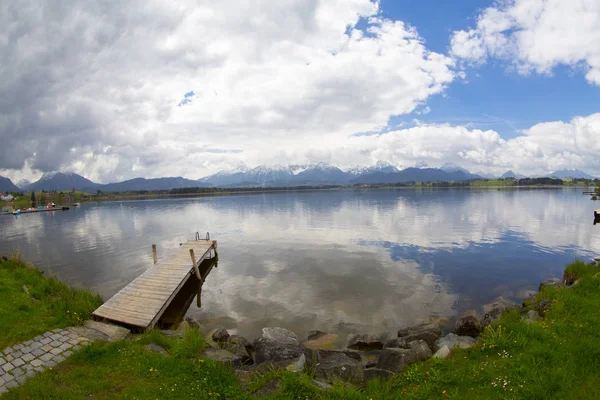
<point x="492" y="96"/>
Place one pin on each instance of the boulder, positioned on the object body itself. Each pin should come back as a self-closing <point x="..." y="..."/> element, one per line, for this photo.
<point x="321" y="340"/>
<point x="394" y="360"/>
<point x="113" y="332"/>
<point x="276" y="345"/>
<point x="156" y="348"/>
<point x="429" y="332"/>
<point x="322" y="385"/>
<point x="531" y="316"/>
<point x="183" y="326"/>
<point x="468" y="326"/>
<point x="192" y="323"/>
<point x="541" y="306"/>
<point x="376" y="373"/>
<point x="338" y="366"/>
<point x="238" y="346"/>
<point x="443" y="352"/>
<point x="365" y="342"/>
<point x="454" y="341"/>
<point x="316" y="356"/>
<point x="494" y="311"/>
<point x="396" y="343"/>
<point x="223" y="356"/>
<point x="220" y="335"/>
<point x="554" y="283"/>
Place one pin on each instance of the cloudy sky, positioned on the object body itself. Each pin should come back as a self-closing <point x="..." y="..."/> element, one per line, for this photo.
<point x="114" y="90"/>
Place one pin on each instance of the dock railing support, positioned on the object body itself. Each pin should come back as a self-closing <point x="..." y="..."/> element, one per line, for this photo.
<point x="154" y="257"/>
<point x="196" y="270"/>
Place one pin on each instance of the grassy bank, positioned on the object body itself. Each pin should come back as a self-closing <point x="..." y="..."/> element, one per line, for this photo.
<point x="555" y="358"/>
<point x="31" y="303"/>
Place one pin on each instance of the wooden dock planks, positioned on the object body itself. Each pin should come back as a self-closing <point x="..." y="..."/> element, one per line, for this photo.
<point x="141" y="303"/>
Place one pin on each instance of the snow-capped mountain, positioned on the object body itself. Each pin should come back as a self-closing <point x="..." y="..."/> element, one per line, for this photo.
<point x="485" y="175"/>
<point x="61" y="181"/>
<point x="380" y="166"/>
<point x="449" y="167"/>
<point x="511" y="174"/>
<point x="23" y="184"/>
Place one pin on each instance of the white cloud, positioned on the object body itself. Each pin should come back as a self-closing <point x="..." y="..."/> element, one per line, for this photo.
<point x="105" y="80"/>
<point x="536" y="36"/>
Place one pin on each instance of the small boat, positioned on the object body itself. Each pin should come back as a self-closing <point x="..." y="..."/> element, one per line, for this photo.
<point x="65" y="208"/>
<point x="16" y="212"/>
<point x="75" y="204"/>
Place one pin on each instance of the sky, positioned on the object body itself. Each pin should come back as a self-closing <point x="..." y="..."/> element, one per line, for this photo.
<point x="115" y="90"/>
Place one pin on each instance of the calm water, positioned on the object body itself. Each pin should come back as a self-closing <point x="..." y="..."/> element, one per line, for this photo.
<point x="327" y="260"/>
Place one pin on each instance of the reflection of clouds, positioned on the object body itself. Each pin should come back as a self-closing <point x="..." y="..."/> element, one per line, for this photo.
<point x="315" y="259"/>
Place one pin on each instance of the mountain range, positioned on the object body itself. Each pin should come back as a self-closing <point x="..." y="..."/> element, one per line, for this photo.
<point x="272" y="176"/>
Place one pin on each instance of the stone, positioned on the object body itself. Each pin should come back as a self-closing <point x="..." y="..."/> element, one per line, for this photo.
<point x="18" y="346"/>
<point x="46" y="357"/>
<point x="429" y="332"/>
<point x="26" y="350"/>
<point x="220" y="335"/>
<point x="396" y="343"/>
<point x="56" y="351"/>
<point x="453" y="341"/>
<point x="443" y="352"/>
<point x="553" y="283"/>
<point x="468" y="326"/>
<point x="18" y="362"/>
<point x="55" y="344"/>
<point x="338" y="366"/>
<point x="11" y="384"/>
<point x="21" y="379"/>
<point x="37" y="363"/>
<point x="38" y="352"/>
<point x="395" y="360"/>
<point x="30" y="373"/>
<point x="531" y="316"/>
<point x="322" y="385"/>
<point x="27" y="357"/>
<point x="321" y="340"/>
<point x="223" y="356"/>
<point x="65" y="346"/>
<point x="9" y="357"/>
<point x="56" y="336"/>
<point x="45" y="340"/>
<point x="18" y="372"/>
<point x="114" y="332"/>
<point x="541" y="306"/>
<point x="238" y="346"/>
<point x="67" y="353"/>
<point x="156" y="348"/>
<point x="8" y="367"/>
<point x="58" y="359"/>
<point x="277" y="344"/>
<point x="16" y="354"/>
<point x="274" y="385"/>
<point x="376" y="373"/>
<point x="8" y="350"/>
<point x="183" y="326"/>
<point x="192" y="323"/>
<point x="365" y="341"/>
<point x="494" y="310"/>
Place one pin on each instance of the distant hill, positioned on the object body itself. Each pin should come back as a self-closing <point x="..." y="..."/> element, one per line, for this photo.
<point x="61" y="182"/>
<point x="570" y="174"/>
<point x="23" y="184"/>
<point x="6" y="185"/>
<point x="511" y="174"/>
<point x="413" y="175"/>
<point x="137" y="184"/>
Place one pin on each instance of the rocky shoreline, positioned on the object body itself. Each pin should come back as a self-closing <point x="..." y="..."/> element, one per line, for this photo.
<point x="364" y="356"/>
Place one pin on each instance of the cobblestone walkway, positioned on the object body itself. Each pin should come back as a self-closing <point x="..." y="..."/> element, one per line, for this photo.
<point x="24" y="360"/>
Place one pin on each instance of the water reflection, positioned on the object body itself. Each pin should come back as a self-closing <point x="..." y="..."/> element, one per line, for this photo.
<point x="364" y="259"/>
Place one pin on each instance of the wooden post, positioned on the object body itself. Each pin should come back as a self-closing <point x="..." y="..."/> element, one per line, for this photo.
<point x="154" y="254"/>
<point x="193" y="256"/>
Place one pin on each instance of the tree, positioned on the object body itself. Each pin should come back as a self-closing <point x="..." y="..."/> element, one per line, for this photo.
<point x="33" y="199"/>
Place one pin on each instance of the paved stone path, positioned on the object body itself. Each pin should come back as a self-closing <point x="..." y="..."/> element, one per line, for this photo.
<point x="24" y="360"/>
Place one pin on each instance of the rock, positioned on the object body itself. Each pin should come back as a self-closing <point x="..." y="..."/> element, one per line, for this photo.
<point x="274" y="385"/>
<point x="376" y="373"/>
<point x="113" y="332"/>
<point x="396" y="343"/>
<point x="321" y="340"/>
<point x="531" y="316"/>
<point x="395" y="360"/>
<point x="192" y="323"/>
<point x="223" y="356"/>
<point x="25" y="289"/>
<point x="171" y="333"/>
<point x="277" y="344"/>
<point x="322" y="385"/>
<point x="183" y="326"/>
<point x="429" y="332"/>
<point x="541" y="306"/>
<point x="237" y="345"/>
<point x="316" y="356"/>
<point x="365" y="342"/>
<point x="443" y="352"/>
<point x="156" y="348"/>
<point x="529" y="298"/>
<point x="339" y="366"/>
<point x="554" y="283"/>
<point x="494" y="311"/>
<point x="468" y="326"/>
<point x="371" y="363"/>
<point x="568" y="278"/>
<point x="88" y="333"/>
<point x="220" y="335"/>
<point x="454" y="341"/>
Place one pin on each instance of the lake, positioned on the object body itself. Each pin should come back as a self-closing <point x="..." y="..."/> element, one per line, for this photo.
<point x="373" y="259"/>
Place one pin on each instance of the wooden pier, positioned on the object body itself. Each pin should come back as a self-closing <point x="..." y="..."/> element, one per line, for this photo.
<point x="41" y="210"/>
<point x="140" y="305"/>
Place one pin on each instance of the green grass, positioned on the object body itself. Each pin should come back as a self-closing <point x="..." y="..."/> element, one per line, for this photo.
<point x="495" y="182"/>
<point x="556" y="358"/>
<point x="49" y="304"/>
